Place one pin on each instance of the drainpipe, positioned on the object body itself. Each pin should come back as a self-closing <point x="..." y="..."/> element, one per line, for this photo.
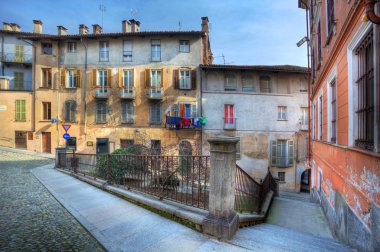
<point x="84" y="88"/>
<point x="370" y="11"/>
<point x="58" y="91"/>
<point x="33" y="117"/>
<point x="2" y="54"/>
<point x="308" y="89"/>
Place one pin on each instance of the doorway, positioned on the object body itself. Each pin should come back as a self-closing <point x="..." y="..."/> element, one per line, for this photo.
<point x="305" y="181"/>
<point x="102" y="146"/>
<point x="20" y="139"/>
<point x="46" y="142"/>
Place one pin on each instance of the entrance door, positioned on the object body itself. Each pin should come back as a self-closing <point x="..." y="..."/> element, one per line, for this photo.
<point x="20" y="139"/>
<point x="46" y="142"/>
<point x="102" y="146"/>
<point x="305" y="181"/>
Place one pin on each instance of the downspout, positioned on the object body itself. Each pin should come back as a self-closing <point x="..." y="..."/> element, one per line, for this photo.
<point x="2" y="54"/>
<point x="370" y="11"/>
<point x="200" y="105"/>
<point x="85" y="88"/>
<point x="58" y="87"/>
<point x="33" y="117"/>
<point x="308" y="89"/>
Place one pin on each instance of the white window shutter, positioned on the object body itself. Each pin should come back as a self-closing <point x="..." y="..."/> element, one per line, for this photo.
<point x="290" y="152"/>
<point x="274" y="153"/>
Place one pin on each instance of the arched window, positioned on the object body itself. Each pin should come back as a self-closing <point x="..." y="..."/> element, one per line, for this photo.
<point x="265" y="84"/>
<point x="70" y="110"/>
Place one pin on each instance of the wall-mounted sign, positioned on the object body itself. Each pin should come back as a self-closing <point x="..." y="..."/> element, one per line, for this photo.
<point x="53" y="120"/>
<point x="66" y="136"/>
<point x="30" y="135"/>
<point x="66" y="127"/>
<point x="3" y="107"/>
<point x="90" y="143"/>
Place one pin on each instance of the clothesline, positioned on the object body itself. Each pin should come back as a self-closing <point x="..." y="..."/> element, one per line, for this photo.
<point x="185" y="123"/>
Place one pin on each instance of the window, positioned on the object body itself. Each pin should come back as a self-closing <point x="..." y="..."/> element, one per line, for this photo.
<point x="128" y="80"/>
<point x="104" y="51"/>
<point x="282" y="113"/>
<point x="71" y="47"/>
<point x="229" y="120"/>
<point x="101" y="112"/>
<point x="330" y="17"/>
<point x="155" y="146"/>
<point x="71" y="78"/>
<point x="313" y="121"/>
<point x="156" y="50"/>
<point x="102" y="81"/>
<point x="19" y="53"/>
<point x="20" y="110"/>
<point x="365" y="96"/>
<point x="46" y="77"/>
<point x="70" y="110"/>
<point x="304" y="118"/>
<point x="71" y="143"/>
<point x="281" y="176"/>
<point x="238" y="156"/>
<point x="155" y="81"/>
<point x="184" y="79"/>
<point x="185" y="110"/>
<point x="333" y="110"/>
<point x="230" y="82"/>
<point x="247" y="82"/>
<point x="18" y="80"/>
<point x="47" y="48"/>
<point x="320" y="117"/>
<point x="46" y="111"/>
<point x="126" y="143"/>
<point x="184" y="46"/>
<point x="319" y="41"/>
<point x="127" y="50"/>
<point x="127" y="112"/>
<point x="155" y="113"/>
<point x="282" y="153"/>
<point x="265" y="84"/>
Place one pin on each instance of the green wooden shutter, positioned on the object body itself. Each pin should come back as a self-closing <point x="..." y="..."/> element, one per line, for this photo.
<point x="17" y="105"/>
<point x="23" y="110"/>
<point x="290" y="152"/>
<point x="274" y="153"/>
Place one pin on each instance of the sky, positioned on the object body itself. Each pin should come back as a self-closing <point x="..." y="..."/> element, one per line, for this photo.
<point x="245" y="32"/>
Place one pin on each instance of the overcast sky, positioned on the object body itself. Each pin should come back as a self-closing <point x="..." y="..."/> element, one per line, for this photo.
<point x="246" y="32"/>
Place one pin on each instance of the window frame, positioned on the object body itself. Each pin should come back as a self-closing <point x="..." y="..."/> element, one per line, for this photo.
<point x="268" y="89"/>
<point x="70" y="114"/>
<point x="18" y="78"/>
<point x="70" y="48"/>
<point x="104" y="52"/>
<point x="157" y="46"/>
<point x="158" y="107"/>
<point x="20" y="110"/>
<point x="332" y="107"/>
<point x="188" y="46"/>
<point x="320" y="117"/>
<point x="71" y="78"/>
<point x="50" y="48"/>
<point x="244" y="78"/>
<point x="131" y="52"/>
<point x="330" y="19"/>
<point x="304" y="116"/>
<point x="282" y="113"/>
<point x="127" y="112"/>
<point x="227" y="85"/>
<point x="46" y="111"/>
<point x="47" y="75"/>
<point x="101" y="106"/>
<point x="181" y="78"/>
<point x="281" y="178"/>
<point x="289" y="153"/>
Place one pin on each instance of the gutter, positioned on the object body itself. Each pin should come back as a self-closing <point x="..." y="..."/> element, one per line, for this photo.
<point x="33" y="117"/>
<point x="84" y="92"/>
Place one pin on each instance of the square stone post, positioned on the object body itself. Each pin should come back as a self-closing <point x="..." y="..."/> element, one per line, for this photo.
<point x="222" y="221"/>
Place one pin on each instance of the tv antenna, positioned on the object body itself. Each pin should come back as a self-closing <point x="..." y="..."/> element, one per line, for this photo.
<point x="102" y="9"/>
<point x="133" y="13"/>
<point x="223" y="57"/>
<point x="179" y="25"/>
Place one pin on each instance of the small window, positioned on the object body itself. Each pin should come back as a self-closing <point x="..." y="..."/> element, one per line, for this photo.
<point x="70" y="111"/>
<point x="320" y="118"/>
<point x="101" y="112"/>
<point x="330" y="12"/>
<point x="230" y="82"/>
<point x="104" y="51"/>
<point x="127" y="50"/>
<point x="127" y="112"/>
<point x="155" y="80"/>
<point x="126" y="143"/>
<point x="281" y="176"/>
<point x="71" y="47"/>
<point x="46" y="78"/>
<point x="247" y="82"/>
<point x="265" y="84"/>
<point x="155" y="146"/>
<point x="71" y="78"/>
<point x="155" y="113"/>
<point x="184" y="46"/>
<point x="156" y="50"/>
<point x="304" y="118"/>
<point x="282" y="153"/>
<point x="333" y="111"/>
<point x="18" y="80"/>
<point x="185" y="110"/>
<point x="71" y="143"/>
<point x="238" y="146"/>
<point x="184" y="79"/>
<point x="102" y="81"/>
<point x="20" y="110"/>
<point x="46" y="111"/>
<point x="282" y="113"/>
<point x="47" y="48"/>
<point x="128" y="80"/>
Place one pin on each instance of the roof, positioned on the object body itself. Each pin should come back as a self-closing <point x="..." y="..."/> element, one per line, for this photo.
<point x="36" y="36"/>
<point x="273" y="68"/>
<point x="17" y="33"/>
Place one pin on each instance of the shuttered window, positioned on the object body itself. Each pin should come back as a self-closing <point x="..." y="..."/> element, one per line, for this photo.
<point x="101" y="112"/>
<point x="70" y="110"/>
<point x="247" y="82"/>
<point x="46" y="78"/>
<point x="46" y="111"/>
<point x="330" y="16"/>
<point x="184" y="79"/>
<point x="18" y="80"/>
<point x="155" y="113"/>
<point x="127" y="112"/>
<point x="282" y="153"/>
<point x="127" y="50"/>
<point x="20" y="110"/>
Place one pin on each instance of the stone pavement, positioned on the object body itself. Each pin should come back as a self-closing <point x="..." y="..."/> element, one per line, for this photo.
<point x="122" y="226"/>
<point x="31" y="219"/>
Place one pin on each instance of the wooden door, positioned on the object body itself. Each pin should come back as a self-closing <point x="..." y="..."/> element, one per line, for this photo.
<point x="46" y="142"/>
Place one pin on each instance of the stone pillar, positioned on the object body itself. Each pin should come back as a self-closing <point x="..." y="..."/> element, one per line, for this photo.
<point x="222" y="220"/>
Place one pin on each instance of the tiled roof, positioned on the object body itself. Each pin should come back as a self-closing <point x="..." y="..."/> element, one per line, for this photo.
<point x="275" y="68"/>
<point x="20" y="33"/>
<point x="35" y="36"/>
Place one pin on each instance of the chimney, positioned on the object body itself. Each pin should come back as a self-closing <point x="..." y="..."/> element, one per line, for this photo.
<point x="205" y="24"/>
<point x="126" y="26"/>
<point x="15" y="27"/>
<point x="83" y="29"/>
<point x="37" y="26"/>
<point x="7" y="26"/>
<point x="97" y="29"/>
<point x="135" y="25"/>
<point x="61" y="30"/>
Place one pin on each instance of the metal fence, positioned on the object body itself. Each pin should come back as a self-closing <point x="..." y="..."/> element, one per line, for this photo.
<point x="247" y="192"/>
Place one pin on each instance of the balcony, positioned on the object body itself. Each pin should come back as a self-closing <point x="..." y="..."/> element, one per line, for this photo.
<point x="102" y="92"/>
<point x="127" y="93"/>
<point x="229" y="123"/>
<point x="173" y="122"/>
<point x="155" y="93"/>
<point x="17" y="58"/>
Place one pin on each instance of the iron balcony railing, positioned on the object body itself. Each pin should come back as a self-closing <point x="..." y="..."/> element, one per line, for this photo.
<point x="229" y="123"/>
<point x="17" y="58"/>
<point x="127" y="92"/>
<point x="155" y="93"/>
<point x="174" y="122"/>
<point x="102" y="92"/>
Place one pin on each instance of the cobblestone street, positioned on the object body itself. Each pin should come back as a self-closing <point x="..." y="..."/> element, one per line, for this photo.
<point x="31" y="219"/>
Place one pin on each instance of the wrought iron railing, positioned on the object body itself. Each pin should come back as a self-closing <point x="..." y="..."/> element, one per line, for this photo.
<point x="17" y="58"/>
<point x="247" y="192"/>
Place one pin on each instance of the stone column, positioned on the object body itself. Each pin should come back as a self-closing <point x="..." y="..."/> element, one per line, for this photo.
<point x="222" y="220"/>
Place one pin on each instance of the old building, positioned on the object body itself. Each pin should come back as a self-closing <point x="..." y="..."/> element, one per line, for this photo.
<point x="344" y="45"/>
<point x="266" y="107"/>
<point x="15" y="87"/>
<point x="115" y="89"/>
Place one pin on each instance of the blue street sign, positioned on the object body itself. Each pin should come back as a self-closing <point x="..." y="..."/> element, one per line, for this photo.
<point x="53" y="120"/>
<point x="66" y="136"/>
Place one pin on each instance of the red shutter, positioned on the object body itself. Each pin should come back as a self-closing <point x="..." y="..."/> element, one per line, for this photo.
<point x="182" y="110"/>
<point x="225" y="113"/>
<point x="231" y="114"/>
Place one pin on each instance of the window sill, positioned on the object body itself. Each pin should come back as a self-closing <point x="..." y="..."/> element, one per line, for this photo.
<point x="45" y="87"/>
<point x="185" y="89"/>
<point x="45" y="120"/>
<point x="282" y="120"/>
<point x="100" y="123"/>
<point x="184" y="52"/>
<point x="71" y="87"/>
<point x="20" y="121"/>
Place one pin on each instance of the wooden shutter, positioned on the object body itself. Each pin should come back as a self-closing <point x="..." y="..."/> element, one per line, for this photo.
<point x="175" y="110"/>
<point x="274" y="153"/>
<point x="176" y="78"/>
<point x="23" y="110"/>
<point x="109" y="77"/>
<point x="147" y="78"/>
<point x="94" y="78"/>
<point x="63" y="77"/>
<point x="78" y="76"/>
<point x="162" y="77"/>
<point x="290" y="152"/>
<point x="133" y="77"/>
<point x="194" y="110"/>
<point x="193" y="74"/>
<point x="120" y="77"/>
<point x="17" y="106"/>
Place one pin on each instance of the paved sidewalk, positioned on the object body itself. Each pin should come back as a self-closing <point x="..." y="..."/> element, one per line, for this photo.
<point x="27" y="152"/>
